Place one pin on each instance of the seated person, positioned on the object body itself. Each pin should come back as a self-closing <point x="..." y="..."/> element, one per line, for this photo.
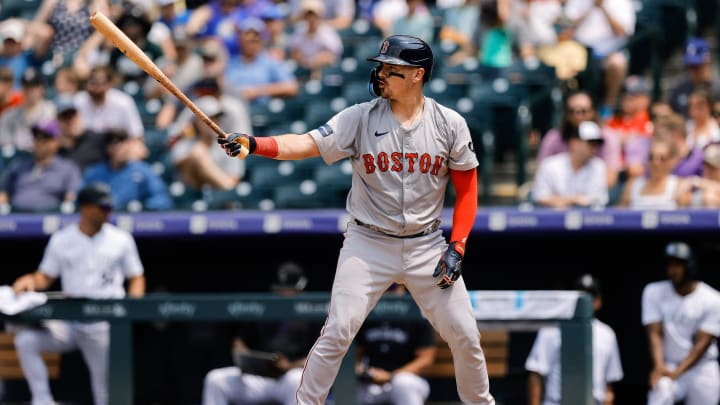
<point x="314" y="44"/>
<point x="131" y="181"/>
<point x="576" y="177"/>
<point x="392" y="354"/>
<point x="288" y="342"/>
<point x="704" y="191"/>
<point x="42" y="181"/>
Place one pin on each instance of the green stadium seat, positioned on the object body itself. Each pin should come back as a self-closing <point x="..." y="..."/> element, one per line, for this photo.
<point x="356" y="92"/>
<point x="305" y="195"/>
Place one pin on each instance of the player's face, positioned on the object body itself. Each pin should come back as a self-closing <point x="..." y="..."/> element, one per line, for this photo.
<point x="676" y="272"/>
<point x="395" y="80"/>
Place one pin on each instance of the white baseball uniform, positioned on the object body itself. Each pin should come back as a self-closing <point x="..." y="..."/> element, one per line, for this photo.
<point x="90" y="267"/>
<point x="544" y="359"/>
<point x="398" y="187"/>
<point x="682" y="317"/>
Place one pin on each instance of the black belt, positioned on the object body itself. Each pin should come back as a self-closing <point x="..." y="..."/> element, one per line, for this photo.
<point x="432" y="228"/>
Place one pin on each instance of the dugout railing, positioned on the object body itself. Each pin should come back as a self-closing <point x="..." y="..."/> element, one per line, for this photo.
<point x="572" y="311"/>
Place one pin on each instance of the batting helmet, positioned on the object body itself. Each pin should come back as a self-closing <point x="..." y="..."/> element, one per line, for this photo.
<point x="289" y="276"/>
<point x="589" y="284"/>
<point x="683" y="252"/>
<point x="403" y="50"/>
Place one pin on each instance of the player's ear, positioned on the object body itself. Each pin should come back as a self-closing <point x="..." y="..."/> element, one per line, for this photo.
<point x="419" y="74"/>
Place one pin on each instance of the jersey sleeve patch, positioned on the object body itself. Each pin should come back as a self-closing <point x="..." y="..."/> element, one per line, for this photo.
<point x="325" y="130"/>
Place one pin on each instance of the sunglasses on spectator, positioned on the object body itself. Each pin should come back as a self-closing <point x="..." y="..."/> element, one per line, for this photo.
<point x="659" y="158"/>
<point x="580" y="110"/>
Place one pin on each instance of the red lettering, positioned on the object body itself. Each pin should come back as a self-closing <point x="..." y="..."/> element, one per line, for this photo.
<point x="438" y="165"/>
<point x="397" y="161"/>
<point x="424" y="163"/>
<point x="369" y="163"/>
<point x="411" y="158"/>
<point x="382" y="161"/>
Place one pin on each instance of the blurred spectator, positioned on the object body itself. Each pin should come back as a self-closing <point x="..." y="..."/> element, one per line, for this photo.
<point x="660" y="109"/>
<point x="604" y="26"/>
<point x="65" y="82"/>
<point x="198" y="161"/>
<point x="704" y="191"/>
<point x="133" y="183"/>
<point x="285" y="343"/>
<point x="92" y="259"/>
<point x="173" y="13"/>
<point x="314" y="44"/>
<point x="14" y="52"/>
<point x="495" y="41"/>
<point x="544" y="363"/>
<point x="576" y="178"/>
<point x="9" y="97"/>
<point x="43" y="181"/>
<point x="661" y="189"/>
<point x="83" y="147"/>
<point x="681" y="315"/>
<point x="534" y="23"/>
<point x="391" y="355"/>
<point x="186" y="69"/>
<point x="339" y="14"/>
<point x="15" y="124"/>
<point x="254" y="75"/>
<point x="689" y="160"/>
<point x="418" y="22"/>
<point x="104" y="107"/>
<point x="579" y="107"/>
<point x="62" y="26"/>
<point x="218" y="18"/>
<point x="278" y="37"/>
<point x="458" y="27"/>
<point x="385" y="12"/>
<point x="136" y="24"/>
<point x="702" y="128"/>
<point x="632" y="126"/>
<point x="716" y="110"/>
<point x="698" y="64"/>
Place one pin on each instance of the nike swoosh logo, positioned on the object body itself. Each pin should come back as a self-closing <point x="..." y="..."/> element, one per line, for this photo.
<point x="380" y="133"/>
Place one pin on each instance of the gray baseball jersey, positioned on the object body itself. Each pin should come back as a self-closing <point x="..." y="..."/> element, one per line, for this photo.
<point x="399" y="174"/>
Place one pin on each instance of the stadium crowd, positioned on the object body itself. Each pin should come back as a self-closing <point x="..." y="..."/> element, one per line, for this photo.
<point x="74" y="109"/>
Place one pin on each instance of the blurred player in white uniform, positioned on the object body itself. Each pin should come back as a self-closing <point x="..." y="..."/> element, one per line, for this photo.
<point x="543" y="362"/>
<point x="93" y="258"/>
<point x="404" y="149"/>
<point x="682" y="317"/>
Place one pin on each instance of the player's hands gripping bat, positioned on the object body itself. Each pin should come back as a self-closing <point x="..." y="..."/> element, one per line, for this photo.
<point x="110" y="31"/>
<point x="236" y="143"/>
<point x="449" y="267"/>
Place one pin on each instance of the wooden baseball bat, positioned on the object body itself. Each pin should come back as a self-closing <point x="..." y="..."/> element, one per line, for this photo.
<point x="110" y="31"/>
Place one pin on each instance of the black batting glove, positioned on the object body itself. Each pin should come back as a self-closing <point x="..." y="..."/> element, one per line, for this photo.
<point x="449" y="267"/>
<point x="235" y="142"/>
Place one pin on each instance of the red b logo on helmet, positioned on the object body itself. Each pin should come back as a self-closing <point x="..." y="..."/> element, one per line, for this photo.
<point x="384" y="47"/>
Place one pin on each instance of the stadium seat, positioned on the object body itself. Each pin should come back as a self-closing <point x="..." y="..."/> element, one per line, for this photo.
<point x="335" y="180"/>
<point x="25" y="9"/>
<point x="271" y="176"/>
<point x="356" y="92"/>
<point x="186" y="198"/>
<point x="305" y="195"/>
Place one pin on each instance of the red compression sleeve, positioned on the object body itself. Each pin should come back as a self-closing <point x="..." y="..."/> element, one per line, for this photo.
<point x="266" y="146"/>
<point x="465" y="183"/>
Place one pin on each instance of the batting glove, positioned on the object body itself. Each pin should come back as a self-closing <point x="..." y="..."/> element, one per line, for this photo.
<point x="450" y="265"/>
<point x="235" y="142"/>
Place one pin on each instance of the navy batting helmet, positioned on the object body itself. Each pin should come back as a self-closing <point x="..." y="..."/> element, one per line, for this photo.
<point x="589" y="284"/>
<point x="403" y="50"/>
<point x="683" y="252"/>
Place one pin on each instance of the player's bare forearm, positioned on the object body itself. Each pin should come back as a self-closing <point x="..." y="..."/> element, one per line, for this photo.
<point x="534" y="388"/>
<point x="609" y="395"/>
<point x="296" y="147"/>
<point x="702" y="343"/>
<point x="424" y="357"/>
<point x="36" y="281"/>
<point x="136" y="286"/>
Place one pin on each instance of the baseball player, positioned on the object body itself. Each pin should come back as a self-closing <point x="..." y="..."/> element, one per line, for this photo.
<point x="682" y="317"/>
<point x="404" y="149"/>
<point x="93" y="258"/>
<point x="543" y="362"/>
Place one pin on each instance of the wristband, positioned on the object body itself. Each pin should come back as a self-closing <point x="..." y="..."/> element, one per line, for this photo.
<point x="264" y="146"/>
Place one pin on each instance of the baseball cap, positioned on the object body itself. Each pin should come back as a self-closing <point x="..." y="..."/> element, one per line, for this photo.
<point x="697" y="52"/>
<point x="272" y="12"/>
<point x="165" y="2"/>
<point x="97" y="194"/>
<point x="246" y="24"/>
<point x="12" y="29"/>
<point x="31" y="77"/>
<point x="590" y="131"/>
<point x="47" y="129"/>
<point x="711" y="155"/>
<point x="212" y="50"/>
<point x="678" y="250"/>
<point x="636" y="85"/>
<point x="64" y="104"/>
<point x="589" y="284"/>
<point x="289" y="276"/>
<point x="316" y="6"/>
<point x="115" y="135"/>
<point x="209" y="105"/>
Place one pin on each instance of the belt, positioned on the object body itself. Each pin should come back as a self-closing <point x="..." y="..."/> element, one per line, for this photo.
<point x="430" y="229"/>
